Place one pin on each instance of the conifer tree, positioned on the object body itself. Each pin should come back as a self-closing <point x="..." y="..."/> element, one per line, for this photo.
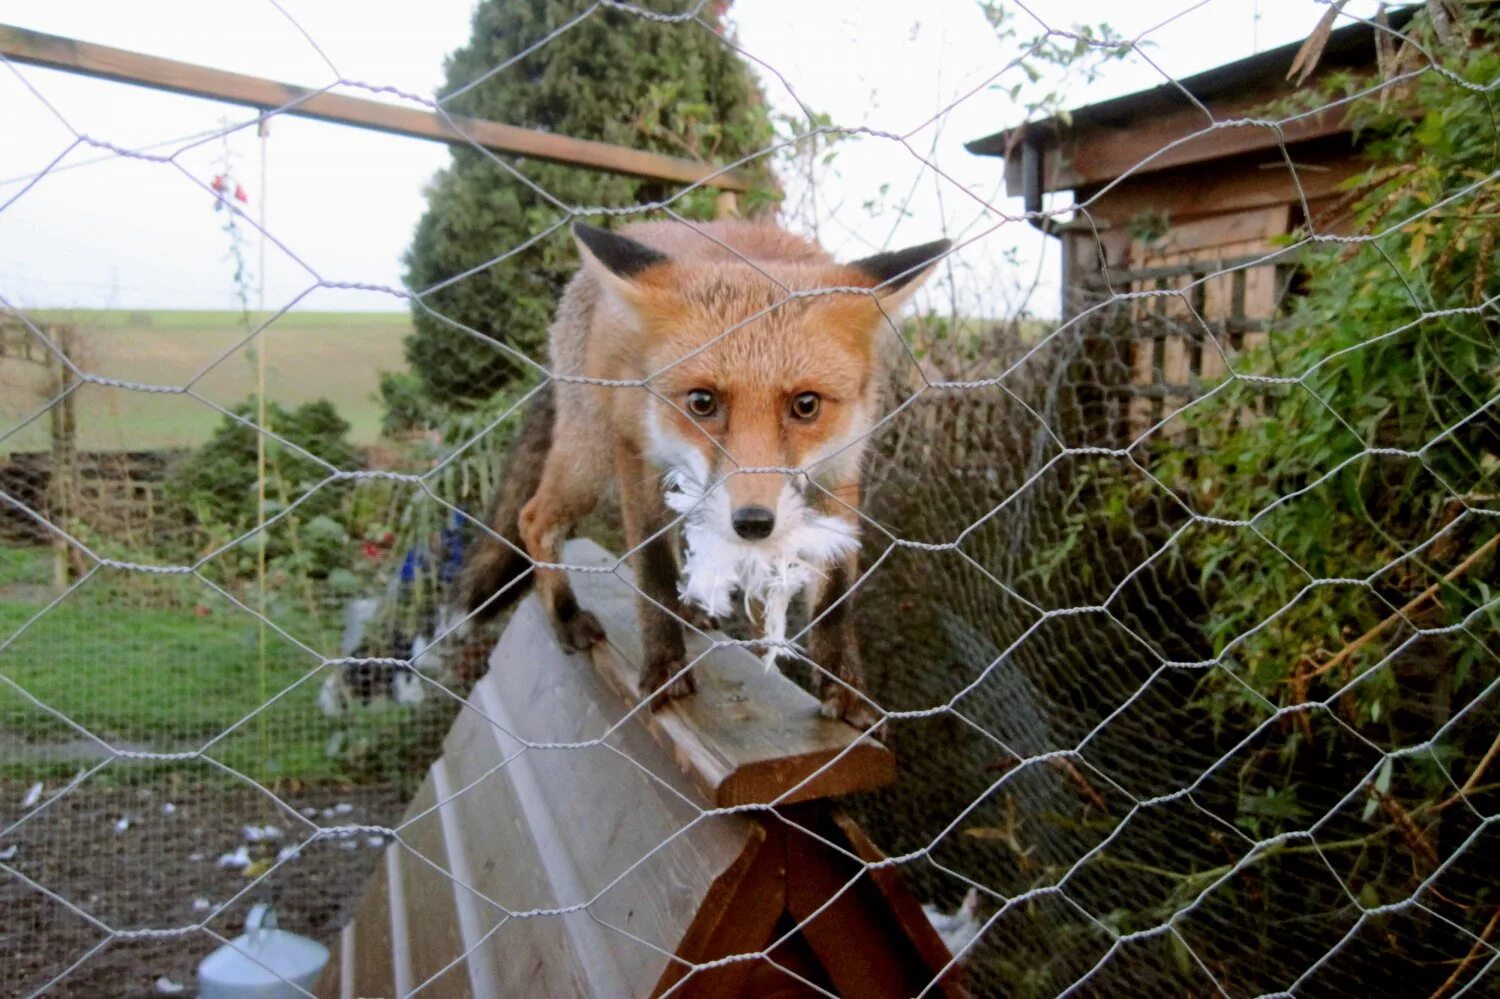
<point x="614" y="76"/>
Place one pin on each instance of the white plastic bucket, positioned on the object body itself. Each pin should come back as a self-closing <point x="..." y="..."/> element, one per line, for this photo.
<point x="262" y="963"/>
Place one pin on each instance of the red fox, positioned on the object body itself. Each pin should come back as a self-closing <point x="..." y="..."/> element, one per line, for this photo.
<point x="727" y="385"/>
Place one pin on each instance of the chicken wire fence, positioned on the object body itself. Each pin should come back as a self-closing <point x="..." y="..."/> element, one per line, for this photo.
<point x="1157" y="733"/>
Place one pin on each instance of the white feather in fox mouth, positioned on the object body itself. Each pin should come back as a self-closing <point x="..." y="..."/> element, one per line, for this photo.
<point x="716" y="566"/>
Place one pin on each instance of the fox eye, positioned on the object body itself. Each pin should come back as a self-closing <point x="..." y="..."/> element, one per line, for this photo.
<point x="702" y="403"/>
<point x="806" y="405"/>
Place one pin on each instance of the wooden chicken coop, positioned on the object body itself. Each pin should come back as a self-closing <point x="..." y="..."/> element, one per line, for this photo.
<point x="1177" y="190"/>
<point x="560" y="848"/>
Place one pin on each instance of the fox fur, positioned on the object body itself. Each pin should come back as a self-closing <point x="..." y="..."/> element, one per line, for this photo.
<point x="748" y="391"/>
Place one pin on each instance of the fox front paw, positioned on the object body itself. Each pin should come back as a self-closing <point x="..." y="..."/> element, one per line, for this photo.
<point x="666" y="680"/>
<point x="843" y="702"/>
<point x="578" y="631"/>
<point x="697" y="618"/>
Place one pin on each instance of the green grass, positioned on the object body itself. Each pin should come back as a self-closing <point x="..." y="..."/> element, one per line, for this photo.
<point x="333" y="355"/>
<point x="163" y="663"/>
<point x="23" y="567"/>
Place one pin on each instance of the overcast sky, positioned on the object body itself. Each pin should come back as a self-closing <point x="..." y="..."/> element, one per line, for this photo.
<point x="342" y="202"/>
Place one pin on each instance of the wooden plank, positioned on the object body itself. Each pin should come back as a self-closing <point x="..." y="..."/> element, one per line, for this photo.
<point x="1174" y="363"/>
<point x="600" y="954"/>
<point x="373" y="972"/>
<point x="1260" y="295"/>
<point x="904" y="907"/>
<point x="470" y="910"/>
<point x="101" y="61"/>
<point x="860" y="945"/>
<point x="533" y="955"/>
<point x="738" y="916"/>
<point x="1142" y="372"/>
<point x="347" y="957"/>
<point x="616" y="824"/>
<point x="328" y="984"/>
<point x="434" y="939"/>
<point x="1093" y="155"/>
<point x="1211" y="366"/>
<point x="400" y="930"/>
<point x="747" y="736"/>
<point x="1193" y="192"/>
<point x="1195" y="236"/>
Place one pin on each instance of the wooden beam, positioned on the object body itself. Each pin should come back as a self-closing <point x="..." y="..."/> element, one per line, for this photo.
<point x="1092" y="155"/>
<point x="1196" y="193"/>
<point x="101" y="61"/>
<point x="1101" y="155"/>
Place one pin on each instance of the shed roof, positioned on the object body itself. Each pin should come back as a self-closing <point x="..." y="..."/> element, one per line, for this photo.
<point x="1170" y="116"/>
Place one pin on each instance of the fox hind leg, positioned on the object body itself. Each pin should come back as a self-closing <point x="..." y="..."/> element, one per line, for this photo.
<point x="569" y="490"/>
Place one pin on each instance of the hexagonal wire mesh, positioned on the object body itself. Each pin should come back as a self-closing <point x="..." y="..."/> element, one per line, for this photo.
<point x="1165" y="737"/>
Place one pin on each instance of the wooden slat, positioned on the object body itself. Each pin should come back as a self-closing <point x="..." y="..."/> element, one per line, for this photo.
<point x="373" y="972"/>
<point x="632" y="821"/>
<point x="1260" y="294"/>
<point x="400" y="928"/>
<point x="903" y="905"/>
<point x="747" y="736"/>
<point x="532" y="955"/>
<point x="858" y="941"/>
<point x="603" y="956"/>
<point x="431" y="898"/>
<point x="104" y="62"/>
<point x="1142" y="372"/>
<point x="329" y="982"/>
<point x="1193" y="192"/>
<point x="1174" y="365"/>
<point x="1193" y="237"/>
<point x="1099" y="154"/>
<point x="347" y="957"/>
<point x="737" y="917"/>
<point x="475" y="915"/>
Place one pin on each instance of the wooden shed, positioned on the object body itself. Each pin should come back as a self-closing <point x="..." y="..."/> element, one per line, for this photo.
<point x="1177" y="187"/>
<point x="567" y="845"/>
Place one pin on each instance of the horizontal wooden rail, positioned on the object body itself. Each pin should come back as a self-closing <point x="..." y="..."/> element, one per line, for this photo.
<point x="67" y="54"/>
<point x="1204" y="267"/>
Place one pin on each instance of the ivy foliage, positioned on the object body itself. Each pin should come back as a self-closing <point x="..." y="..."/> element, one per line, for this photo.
<point x="611" y="76"/>
<point x="1349" y="565"/>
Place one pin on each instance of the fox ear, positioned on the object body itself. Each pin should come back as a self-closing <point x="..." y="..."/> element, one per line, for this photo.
<point x="899" y="273"/>
<point x="614" y="259"/>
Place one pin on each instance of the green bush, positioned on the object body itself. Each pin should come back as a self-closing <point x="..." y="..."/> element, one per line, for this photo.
<point x="1348" y="572"/>
<point x="215" y="488"/>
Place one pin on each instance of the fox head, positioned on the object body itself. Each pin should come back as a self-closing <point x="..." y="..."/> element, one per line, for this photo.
<point x="762" y="378"/>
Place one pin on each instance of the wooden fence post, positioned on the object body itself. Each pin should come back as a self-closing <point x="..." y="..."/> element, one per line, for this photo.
<point x="62" y="487"/>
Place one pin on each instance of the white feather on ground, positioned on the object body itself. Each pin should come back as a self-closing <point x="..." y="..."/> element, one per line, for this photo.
<point x="238" y="860"/>
<point x="959" y="927"/>
<point x="771" y="572"/>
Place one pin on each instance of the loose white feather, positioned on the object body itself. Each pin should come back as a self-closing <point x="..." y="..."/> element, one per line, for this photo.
<point x="772" y="572"/>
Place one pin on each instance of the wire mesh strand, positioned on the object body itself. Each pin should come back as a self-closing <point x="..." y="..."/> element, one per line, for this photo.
<point x="1057" y="757"/>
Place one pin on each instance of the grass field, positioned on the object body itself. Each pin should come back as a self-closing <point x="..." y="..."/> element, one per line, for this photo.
<point x="163" y="664"/>
<point x="333" y="355"/>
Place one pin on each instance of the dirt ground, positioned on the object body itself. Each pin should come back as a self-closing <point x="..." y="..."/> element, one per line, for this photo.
<point x="148" y="858"/>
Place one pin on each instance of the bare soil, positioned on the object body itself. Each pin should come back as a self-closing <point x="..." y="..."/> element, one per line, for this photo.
<point x="155" y="876"/>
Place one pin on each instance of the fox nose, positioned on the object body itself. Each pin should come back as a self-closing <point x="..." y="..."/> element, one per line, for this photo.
<point x="753" y="522"/>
